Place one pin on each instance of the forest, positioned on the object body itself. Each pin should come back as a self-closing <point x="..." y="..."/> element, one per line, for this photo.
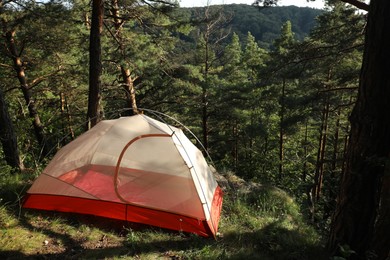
<point x="279" y="96"/>
<point x="265" y="23"/>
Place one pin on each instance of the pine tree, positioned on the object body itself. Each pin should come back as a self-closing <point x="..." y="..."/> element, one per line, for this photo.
<point x="95" y="64"/>
<point x="8" y="137"/>
<point x="361" y="218"/>
<point x="281" y="47"/>
<point x="330" y="57"/>
<point x="30" y="43"/>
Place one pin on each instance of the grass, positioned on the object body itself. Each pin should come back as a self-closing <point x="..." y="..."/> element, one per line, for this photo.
<point x="257" y="223"/>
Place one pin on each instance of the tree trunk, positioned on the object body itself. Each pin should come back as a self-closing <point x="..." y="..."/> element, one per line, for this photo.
<point x="305" y="154"/>
<point x="281" y="129"/>
<point x="362" y="216"/>
<point x="265" y="154"/>
<point x="319" y="174"/>
<point x="66" y="114"/>
<point x="8" y="137"/>
<point x="129" y="89"/>
<point x="128" y="80"/>
<point x="333" y="168"/>
<point x="205" y="118"/>
<point x="346" y="143"/>
<point x="235" y="145"/>
<point x="332" y="178"/>
<point x="380" y="244"/>
<point x="205" y="107"/>
<point x="24" y="86"/>
<point x="95" y="64"/>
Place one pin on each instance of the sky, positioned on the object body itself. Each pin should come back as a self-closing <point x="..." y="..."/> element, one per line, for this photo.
<point x="193" y="3"/>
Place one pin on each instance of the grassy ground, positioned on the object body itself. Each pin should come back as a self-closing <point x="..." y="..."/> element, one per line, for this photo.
<point x="256" y="223"/>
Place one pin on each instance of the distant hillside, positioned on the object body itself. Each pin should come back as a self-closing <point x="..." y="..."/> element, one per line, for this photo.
<point x="265" y="23"/>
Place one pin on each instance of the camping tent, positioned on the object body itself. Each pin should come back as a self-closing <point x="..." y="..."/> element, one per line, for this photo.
<point x="135" y="169"/>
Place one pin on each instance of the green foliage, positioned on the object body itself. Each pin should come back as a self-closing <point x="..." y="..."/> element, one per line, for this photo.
<point x="264" y="23"/>
<point x="48" y="69"/>
<point x="269" y="90"/>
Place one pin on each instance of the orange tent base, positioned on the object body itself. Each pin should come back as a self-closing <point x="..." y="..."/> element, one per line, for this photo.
<point x="131" y="213"/>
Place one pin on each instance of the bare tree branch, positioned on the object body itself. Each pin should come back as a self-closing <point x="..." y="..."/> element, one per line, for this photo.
<point x="357" y="3"/>
<point x="5" y="65"/>
<point x="42" y="78"/>
<point x="338" y="89"/>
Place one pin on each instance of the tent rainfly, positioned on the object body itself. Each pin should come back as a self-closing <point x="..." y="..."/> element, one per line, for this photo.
<point x="135" y="169"/>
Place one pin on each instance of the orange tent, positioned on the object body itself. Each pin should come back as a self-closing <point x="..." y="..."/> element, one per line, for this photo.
<point x="136" y="169"/>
